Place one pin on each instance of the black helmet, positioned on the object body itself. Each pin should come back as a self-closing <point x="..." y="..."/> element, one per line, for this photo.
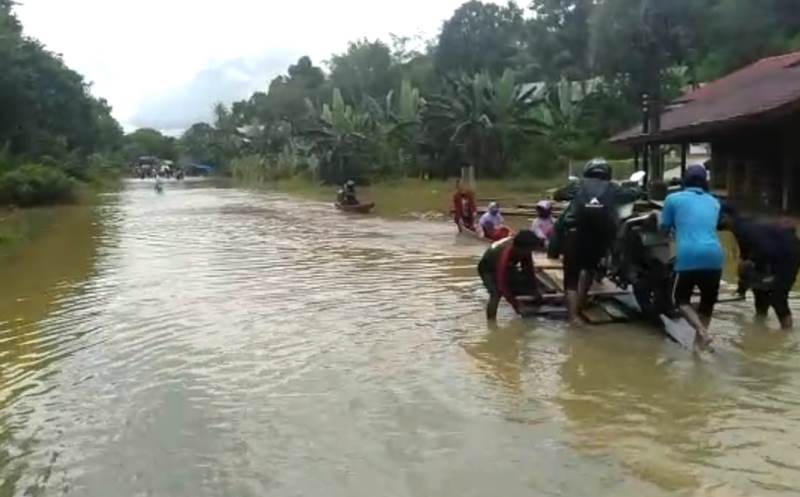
<point x="597" y="168"/>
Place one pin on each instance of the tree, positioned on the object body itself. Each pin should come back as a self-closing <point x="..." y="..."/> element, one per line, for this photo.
<point x="480" y="37"/>
<point x="558" y="39"/>
<point x="149" y="142"/>
<point x="483" y="118"/>
<point x="640" y="41"/>
<point x="366" y="69"/>
<point x="285" y="99"/>
<point x="47" y="108"/>
<point x="197" y="144"/>
<point x="341" y="140"/>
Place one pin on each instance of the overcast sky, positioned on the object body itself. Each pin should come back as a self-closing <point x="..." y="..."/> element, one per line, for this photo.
<point x="163" y="63"/>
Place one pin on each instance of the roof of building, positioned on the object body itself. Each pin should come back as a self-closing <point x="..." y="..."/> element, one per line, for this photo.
<point x="766" y="87"/>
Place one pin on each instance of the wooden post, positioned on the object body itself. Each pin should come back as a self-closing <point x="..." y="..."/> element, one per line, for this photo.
<point x="684" y="154"/>
<point x="635" y="158"/>
<point x="786" y="181"/>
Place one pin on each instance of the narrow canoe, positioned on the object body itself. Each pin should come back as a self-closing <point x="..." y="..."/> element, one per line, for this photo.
<point x="358" y="208"/>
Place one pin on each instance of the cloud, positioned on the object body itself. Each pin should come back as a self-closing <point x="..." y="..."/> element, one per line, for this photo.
<point x="225" y="82"/>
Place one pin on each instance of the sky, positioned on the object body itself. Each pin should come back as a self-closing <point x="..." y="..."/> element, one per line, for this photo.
<point x="164" y="63"/>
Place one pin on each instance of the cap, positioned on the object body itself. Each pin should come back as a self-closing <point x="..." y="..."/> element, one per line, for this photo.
<point x="696" y="172"/>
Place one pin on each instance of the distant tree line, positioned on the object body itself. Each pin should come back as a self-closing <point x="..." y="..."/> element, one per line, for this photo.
<point x="53" y="132"/>
<point x="507" y="89"/>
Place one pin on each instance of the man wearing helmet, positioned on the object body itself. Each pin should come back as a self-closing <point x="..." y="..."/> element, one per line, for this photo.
<point x="586" y="231"/>
<point x="347" y="194"/>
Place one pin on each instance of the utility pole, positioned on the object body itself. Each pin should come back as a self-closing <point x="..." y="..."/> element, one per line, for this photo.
<point x="653" y="65"/>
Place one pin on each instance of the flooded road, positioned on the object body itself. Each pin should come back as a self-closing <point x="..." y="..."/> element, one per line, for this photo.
<point x="220" y="342"/>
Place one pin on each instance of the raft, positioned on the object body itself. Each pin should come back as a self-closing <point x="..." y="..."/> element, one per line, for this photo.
<point x="608" y="303"/>
<point x="357" y="208"/>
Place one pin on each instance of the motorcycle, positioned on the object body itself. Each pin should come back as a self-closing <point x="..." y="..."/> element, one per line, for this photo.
<point x="641" y="260"/>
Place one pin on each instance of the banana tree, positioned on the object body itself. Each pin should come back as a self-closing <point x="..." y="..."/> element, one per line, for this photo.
<point x="397" y="126"/>
<point x="483" y="118"/>
<point x="340" y="138"/>
<point x="561" y="113"/>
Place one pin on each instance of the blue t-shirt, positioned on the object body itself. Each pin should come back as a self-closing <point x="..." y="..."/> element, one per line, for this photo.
<point x="693" y="215"/>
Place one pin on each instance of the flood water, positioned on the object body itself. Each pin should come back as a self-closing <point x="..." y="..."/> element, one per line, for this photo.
<point x="220" y="342"/>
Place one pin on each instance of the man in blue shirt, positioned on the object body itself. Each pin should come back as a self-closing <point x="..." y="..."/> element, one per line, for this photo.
<point x="693" y="215"/>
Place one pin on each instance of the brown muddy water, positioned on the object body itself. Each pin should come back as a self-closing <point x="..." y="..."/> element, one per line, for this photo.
<point x="220" y="342"/>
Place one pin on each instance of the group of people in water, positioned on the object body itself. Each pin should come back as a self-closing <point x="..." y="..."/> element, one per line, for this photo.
<point x="586" y="230"/>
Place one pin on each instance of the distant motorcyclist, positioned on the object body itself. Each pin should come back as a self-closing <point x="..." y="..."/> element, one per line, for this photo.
<point x="587" y="229"/>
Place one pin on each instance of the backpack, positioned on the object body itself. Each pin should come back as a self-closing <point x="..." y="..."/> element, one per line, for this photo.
<point x="594" y="211"/>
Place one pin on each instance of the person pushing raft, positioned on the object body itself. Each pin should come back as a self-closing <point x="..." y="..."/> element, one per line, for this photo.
<point x="587" y="229"/>
<point x="769" y="262"/>
<point x="463" y="207"/>
<point x="507" y="271"/>
<point x="492" y="223"/>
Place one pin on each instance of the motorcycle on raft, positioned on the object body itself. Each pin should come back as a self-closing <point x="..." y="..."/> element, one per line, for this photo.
<point x="641" y="260"/>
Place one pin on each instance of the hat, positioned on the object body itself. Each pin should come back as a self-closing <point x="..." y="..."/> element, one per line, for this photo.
<point x="544" y="205"/>
<point x="494" y="206"/>
<point x="695" y="172"/>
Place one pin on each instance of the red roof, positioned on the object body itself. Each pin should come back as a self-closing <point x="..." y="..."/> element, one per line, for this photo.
<point x="759" y="89"/>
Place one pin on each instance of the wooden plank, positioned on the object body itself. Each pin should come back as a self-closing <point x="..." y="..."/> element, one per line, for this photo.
<point x="680" y="331"/>
<point x="594" y="314"/>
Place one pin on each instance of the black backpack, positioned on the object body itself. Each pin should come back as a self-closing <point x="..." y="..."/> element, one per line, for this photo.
<point x="594" y="210"/>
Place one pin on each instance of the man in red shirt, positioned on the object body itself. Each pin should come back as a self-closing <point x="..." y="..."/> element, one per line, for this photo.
<point x="507" y="271"/>
<point x="464" y="208"/>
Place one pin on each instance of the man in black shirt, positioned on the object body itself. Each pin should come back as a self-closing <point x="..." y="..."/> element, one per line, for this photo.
<point x="770" y="261"/>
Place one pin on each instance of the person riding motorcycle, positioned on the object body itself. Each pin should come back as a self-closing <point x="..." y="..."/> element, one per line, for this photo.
<point x="586" y="231"/>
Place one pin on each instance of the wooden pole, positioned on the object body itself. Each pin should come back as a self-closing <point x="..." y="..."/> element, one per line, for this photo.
<point x="684" y="154"/>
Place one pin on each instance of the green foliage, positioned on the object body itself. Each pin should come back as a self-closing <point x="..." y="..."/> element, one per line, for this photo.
<point x="506" y="90"/>
<point x="485" y="119"/>
<point x="479" y="37"/>
<point x="366" y="69"/>
<point x="46" y="107"/>
<point x="148" y="142"/>
<point x="34" y="184"/>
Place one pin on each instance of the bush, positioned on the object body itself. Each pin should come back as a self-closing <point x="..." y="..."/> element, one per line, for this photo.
<point x="34" y="184"/>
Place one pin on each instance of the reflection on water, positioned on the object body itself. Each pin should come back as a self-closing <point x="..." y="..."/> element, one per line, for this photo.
<point x="222" y="342"/>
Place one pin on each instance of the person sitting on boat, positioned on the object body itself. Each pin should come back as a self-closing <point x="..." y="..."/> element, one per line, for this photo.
<point x="543" y="226"/>
<point x="491" y="223"/>
<point x="507" y="271"/>
<point x="464" y="208"/>
<point x="587" y="229"/>
<point x="693" y="216"/>
<point x="770" y="260"/>
<point x="347" y="195"/>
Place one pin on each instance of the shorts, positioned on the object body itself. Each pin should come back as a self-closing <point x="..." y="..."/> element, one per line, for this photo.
<point x="489" y="280"/>
<point x="707" y="280"/>
<point x="518" y="283"/>
<point x="777" y="297"/>
<point x="580" y="255"/>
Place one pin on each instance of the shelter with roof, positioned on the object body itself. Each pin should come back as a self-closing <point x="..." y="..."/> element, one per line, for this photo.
<point x="751" y="118"/>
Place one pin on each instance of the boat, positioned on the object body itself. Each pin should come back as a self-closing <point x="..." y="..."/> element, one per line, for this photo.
<point x="356" y="208"/>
